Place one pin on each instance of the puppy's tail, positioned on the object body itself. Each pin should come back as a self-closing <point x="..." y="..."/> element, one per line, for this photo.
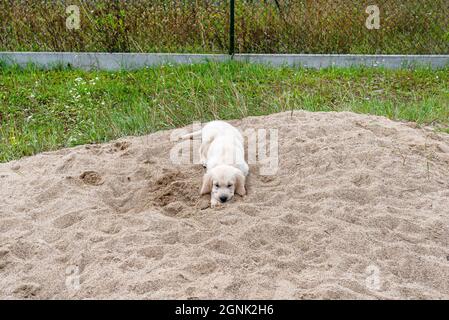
<point x="191" y="135"/>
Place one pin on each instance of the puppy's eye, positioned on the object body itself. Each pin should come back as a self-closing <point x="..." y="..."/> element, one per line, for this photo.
<point x="229" y="185"/>
<point x="216" y="185"/>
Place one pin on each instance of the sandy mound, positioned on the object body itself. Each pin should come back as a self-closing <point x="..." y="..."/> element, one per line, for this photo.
<point x="358" y="209"/>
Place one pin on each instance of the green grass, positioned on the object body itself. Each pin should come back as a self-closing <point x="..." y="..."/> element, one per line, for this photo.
<point x="46" y="110"/>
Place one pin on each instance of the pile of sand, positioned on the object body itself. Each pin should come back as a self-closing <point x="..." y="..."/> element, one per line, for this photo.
<point x="358" y="209"/>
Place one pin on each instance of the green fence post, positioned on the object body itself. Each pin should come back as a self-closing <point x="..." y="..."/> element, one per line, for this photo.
<point x="231" y="28"/>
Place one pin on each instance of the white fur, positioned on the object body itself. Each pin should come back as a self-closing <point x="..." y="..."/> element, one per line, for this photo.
<point x="222" y="153"/>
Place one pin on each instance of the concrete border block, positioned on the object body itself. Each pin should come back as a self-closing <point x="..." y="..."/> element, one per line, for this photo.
<point x="105" y="61"/>
<point x="318" y="61"/>
<point x="129" y="61"/>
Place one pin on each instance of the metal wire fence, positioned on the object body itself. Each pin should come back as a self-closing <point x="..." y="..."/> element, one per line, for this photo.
<point x="114" y="25"/>
<point x="343" y="26"/>
<point x="207" y="26"/>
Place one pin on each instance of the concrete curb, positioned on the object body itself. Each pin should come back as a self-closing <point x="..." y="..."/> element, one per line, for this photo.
<point x="318" y="61"/>
<point x="128" y="61"/>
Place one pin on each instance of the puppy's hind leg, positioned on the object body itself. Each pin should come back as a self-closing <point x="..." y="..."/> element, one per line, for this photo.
<point x="190" y="135"/>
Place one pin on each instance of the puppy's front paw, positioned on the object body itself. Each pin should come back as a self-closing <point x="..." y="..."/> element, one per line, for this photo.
<point x="214" y="203"/>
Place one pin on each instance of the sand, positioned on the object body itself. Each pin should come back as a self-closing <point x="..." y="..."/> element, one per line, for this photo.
<point x="359" y="208"/>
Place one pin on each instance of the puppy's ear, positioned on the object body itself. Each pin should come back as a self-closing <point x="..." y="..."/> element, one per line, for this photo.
<point x="240" y="184"/>
<point x="207" y="184"/>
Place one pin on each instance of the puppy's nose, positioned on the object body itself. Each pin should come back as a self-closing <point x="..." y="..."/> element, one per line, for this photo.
<point x="223" y="199"/>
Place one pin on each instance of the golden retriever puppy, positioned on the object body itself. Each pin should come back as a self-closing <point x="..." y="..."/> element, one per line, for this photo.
<point x="222" y="154"/>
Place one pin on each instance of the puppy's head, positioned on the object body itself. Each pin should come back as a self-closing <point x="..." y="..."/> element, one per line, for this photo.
<point x="222" y="182"/>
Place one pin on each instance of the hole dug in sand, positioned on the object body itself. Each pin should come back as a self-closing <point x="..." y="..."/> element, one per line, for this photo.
<point x="91" y="178"/>
<point x="177" y="192"/>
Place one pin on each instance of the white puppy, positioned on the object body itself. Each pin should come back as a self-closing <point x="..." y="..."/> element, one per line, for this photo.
<point x="222" y="153"/>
